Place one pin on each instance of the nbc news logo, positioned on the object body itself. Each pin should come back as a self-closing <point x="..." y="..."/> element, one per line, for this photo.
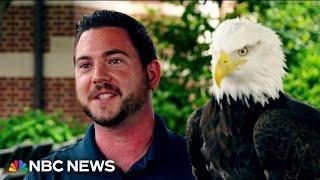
<point x="18" y="166"/>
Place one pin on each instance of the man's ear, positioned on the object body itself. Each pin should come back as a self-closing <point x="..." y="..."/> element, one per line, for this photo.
<point x="154" y="73"/>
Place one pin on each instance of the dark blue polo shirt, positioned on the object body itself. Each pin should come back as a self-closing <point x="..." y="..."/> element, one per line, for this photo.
<point x="165" y="159"/>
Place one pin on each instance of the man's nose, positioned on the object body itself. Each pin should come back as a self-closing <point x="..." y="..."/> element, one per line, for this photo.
<point x="101" y="75"/>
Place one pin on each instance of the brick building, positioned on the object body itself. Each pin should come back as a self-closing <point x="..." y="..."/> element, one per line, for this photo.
<point x="17" y="51"/>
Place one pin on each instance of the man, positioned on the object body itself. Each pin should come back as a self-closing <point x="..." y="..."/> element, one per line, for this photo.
<point x="116" y="71"/>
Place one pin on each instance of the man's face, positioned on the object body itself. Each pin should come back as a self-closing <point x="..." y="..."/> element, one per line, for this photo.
<point x="110" y="81"/>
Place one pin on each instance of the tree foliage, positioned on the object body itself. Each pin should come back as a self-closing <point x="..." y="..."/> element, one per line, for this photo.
<point x="185" y="77"/>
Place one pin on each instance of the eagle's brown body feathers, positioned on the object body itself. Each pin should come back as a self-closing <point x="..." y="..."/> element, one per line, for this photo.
<point x="232" y="141"/>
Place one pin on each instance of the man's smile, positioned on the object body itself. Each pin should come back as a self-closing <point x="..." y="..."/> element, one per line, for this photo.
<point x="103" y="97"/>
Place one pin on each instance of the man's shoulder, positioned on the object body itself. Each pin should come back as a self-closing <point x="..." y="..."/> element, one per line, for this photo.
<point x="177" y="144"/>
<point x="164" y="133"/>
<point x="176" y="138"/>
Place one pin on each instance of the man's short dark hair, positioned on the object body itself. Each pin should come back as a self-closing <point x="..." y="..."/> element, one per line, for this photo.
<point x="137" y="32"/>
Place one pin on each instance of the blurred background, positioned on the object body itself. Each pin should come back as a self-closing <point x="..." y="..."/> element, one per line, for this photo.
<point x="37" y="97"/>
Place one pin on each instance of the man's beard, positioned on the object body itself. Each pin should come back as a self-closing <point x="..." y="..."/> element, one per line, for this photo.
<point x="130" y="105"/>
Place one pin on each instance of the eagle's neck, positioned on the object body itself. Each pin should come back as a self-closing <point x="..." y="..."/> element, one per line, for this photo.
<point x="234" y="118"/>
<point x="229" y="117"/>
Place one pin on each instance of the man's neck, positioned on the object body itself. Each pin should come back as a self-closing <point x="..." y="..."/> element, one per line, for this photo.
<point x="129" y="141"/>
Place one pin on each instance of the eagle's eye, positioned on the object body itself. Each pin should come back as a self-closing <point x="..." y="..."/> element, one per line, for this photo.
<point x="243" y="51"/>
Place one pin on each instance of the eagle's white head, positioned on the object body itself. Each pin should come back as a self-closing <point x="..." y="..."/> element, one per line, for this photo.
<point x="247" y="62"/>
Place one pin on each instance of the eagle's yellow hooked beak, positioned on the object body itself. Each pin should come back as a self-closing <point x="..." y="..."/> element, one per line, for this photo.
<point x="225" y="66"/>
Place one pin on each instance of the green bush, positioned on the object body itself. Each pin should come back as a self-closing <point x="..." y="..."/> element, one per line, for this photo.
<point x="35" y="126"/>
<point x="303" y="82"/>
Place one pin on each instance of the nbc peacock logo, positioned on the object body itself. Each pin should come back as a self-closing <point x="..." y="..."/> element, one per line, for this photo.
<point x="18" y="166"/>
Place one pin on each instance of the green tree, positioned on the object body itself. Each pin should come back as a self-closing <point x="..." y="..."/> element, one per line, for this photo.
<point x="186" y="76"/>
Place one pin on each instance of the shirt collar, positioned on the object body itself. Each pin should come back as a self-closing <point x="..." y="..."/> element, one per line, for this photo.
<point x="88" y="149"/>
<point x="160" y="139"/>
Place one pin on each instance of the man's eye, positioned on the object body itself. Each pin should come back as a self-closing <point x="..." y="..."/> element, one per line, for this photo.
<point x="115" y="61"/>
<point x="85" y="66"/>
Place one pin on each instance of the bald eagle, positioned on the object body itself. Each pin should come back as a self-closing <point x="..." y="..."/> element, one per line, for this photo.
<point x="250" y="129"/>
